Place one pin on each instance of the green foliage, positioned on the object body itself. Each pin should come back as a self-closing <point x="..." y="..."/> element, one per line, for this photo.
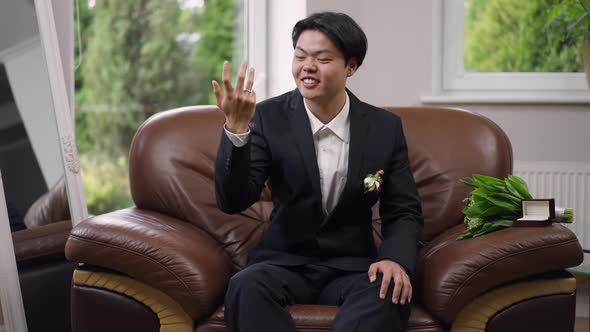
<point x="494" y="204"/>
<point x="83" y="28"/>
<point x="510" y="36"/>
<point x="217" y="43"/>
<point x="141" y="57"/>
<point x="133" y="68"/>
<point x="83" y="139"/>
<point x="569" y="19"/>
<point x="105" y="183"/>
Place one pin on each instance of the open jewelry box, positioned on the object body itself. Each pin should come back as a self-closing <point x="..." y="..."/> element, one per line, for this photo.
<point x="536" y="212"/>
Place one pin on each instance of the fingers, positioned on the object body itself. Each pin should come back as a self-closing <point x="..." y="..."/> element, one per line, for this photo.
<point x="217" y="92"/>
<point x="402" y="292"/>
<point x="406" y="289"/>
<point x="229" y="90"/>
<point x="226" y="79"/>
<point x="385" y="284"/>
<point x="250" y="82"/>
<point x="402" y="288"/>
<point x="397" y="279"/>
<point x="242" y="75"/>
<point x="372" y="272"/>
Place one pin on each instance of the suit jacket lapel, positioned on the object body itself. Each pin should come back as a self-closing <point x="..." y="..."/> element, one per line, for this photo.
<point x="301" y="130"/>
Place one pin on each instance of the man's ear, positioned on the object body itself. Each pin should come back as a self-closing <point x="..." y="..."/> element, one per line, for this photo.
<point x="351" y="67"/>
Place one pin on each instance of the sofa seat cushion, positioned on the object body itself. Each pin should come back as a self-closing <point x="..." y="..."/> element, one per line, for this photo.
<point x="318" y="318"/>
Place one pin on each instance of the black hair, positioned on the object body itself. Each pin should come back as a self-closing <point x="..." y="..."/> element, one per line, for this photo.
<point x="341" y="29"/>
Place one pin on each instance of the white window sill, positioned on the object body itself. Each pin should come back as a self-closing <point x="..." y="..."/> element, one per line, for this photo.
<point x="533" y="98"/>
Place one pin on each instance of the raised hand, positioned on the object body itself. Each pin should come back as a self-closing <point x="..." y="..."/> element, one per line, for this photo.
<point x="238" y="104"/>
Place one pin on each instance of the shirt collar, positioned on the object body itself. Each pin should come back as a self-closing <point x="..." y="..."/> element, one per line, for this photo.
<point x="339" y="125"/>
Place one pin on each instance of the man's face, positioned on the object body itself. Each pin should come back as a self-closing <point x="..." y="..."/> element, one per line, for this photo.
<point x="318" y="67"/>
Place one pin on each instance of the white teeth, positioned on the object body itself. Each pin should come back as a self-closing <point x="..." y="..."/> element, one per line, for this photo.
<point x="309" y="80"/>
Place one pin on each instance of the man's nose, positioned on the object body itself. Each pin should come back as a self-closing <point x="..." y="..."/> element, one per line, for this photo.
<point x="309" y="67"/>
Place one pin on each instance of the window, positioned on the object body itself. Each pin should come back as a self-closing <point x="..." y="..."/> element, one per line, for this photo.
<point x="141" y="57"/>
<point x="498" y="51"/>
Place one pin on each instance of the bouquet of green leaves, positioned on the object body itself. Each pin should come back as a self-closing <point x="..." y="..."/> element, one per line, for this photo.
<point x="495" y="204"/>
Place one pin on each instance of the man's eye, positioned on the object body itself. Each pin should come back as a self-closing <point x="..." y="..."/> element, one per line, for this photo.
<point x="300" y="58"/>
<point x="324" y="60"/>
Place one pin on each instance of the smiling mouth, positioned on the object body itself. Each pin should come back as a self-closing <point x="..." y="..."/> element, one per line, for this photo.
<point x="310" y="81"/>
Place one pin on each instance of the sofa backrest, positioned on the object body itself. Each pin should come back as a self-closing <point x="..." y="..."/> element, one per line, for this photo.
<point x="446" y="145"/>
<point x="172" y="156"/>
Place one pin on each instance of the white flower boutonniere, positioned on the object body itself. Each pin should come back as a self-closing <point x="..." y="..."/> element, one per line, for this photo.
<point x="373" y="182"/>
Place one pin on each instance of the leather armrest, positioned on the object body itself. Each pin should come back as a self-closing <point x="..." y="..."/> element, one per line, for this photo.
<point x="41" y="241"/>
<point x="452" y="273"/>
<point x="50" y="207"/>
<point x="171" y="255"/>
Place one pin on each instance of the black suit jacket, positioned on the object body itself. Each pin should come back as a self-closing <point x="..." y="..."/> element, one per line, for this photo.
<point x="281" y="148"/>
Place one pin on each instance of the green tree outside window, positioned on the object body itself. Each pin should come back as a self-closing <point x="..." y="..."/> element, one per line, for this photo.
<point x="510" y="36"/>
<point x="141" y="57"/>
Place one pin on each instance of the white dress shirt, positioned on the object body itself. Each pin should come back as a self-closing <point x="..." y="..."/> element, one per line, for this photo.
<point x="331" y="143"/>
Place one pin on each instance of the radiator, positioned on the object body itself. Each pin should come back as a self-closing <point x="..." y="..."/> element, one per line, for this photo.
<point x="568" y="183"/>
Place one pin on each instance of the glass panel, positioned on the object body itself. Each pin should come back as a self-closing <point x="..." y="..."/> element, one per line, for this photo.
<point x="141" y="57"/>
<point x="29" y="146"/>
<point x="30" y="157"/>
<point x="510" y="36"/>
<point x="32" y="172"/>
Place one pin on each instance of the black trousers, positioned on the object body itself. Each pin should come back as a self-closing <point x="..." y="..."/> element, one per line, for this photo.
<point x="258" y="296"/>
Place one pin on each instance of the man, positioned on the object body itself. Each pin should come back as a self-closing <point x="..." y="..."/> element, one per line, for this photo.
<point x="329" y="157"/>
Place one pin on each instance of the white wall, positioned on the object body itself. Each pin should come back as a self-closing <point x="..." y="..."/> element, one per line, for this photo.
<point x="543" y="132"/>
<point x="282" y="17"/>
<point x="398" y="67"/>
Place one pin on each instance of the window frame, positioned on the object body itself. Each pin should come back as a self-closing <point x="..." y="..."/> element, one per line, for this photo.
<point x="255" y="35"/>
<point x="451" y="82"/>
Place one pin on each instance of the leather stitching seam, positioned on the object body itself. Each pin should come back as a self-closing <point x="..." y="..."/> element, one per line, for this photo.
<point x="76" y="237"/>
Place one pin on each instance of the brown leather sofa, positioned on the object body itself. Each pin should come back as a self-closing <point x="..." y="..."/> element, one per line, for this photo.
<point x="165" y="264"/>
<point x="44" y="273"/>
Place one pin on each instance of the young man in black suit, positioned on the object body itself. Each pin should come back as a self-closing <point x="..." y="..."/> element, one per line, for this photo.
<point x="329" y="157"/>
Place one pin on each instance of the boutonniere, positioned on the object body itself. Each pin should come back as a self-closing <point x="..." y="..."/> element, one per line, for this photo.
<point x="373" y="182"/>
